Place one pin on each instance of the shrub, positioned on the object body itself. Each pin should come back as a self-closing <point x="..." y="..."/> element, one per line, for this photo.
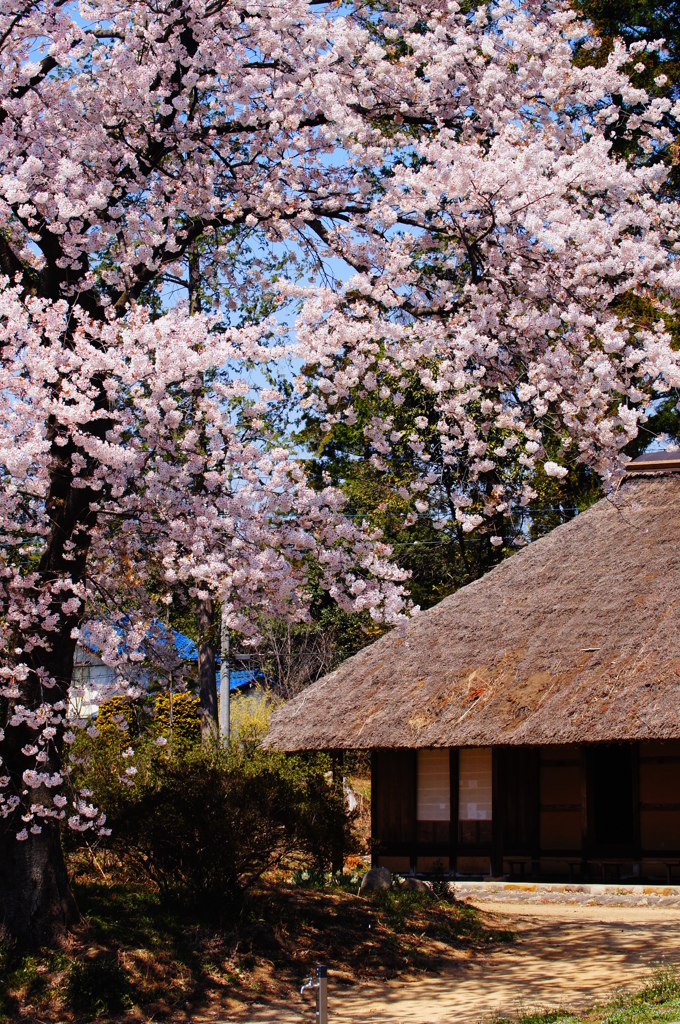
<point x="186" y="725"/>
<point x="204" y="822"/>
<point x="118" y="714"/>
<point x="249" y="714"/>
<point x="324" y="827"/>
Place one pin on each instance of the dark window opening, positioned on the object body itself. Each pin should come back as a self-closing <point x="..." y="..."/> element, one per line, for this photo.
<point x="611" y="773"/>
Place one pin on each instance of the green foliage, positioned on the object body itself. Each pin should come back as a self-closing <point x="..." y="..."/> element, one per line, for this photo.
<point x="633" y="21"/>
<point x="203" y="822"/>
<point x="324" y="828"/>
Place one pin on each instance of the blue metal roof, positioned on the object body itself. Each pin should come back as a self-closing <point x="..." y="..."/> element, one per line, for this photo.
<point x="185" y="646"/>
<point x="187" y="650"/>
<point x="243" y="677"/>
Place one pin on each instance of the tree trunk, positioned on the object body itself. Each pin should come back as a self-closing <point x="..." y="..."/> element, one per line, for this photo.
<point x="36" y="904"/>
<point x="35" y="899"/>
<point x="207" y="678"/>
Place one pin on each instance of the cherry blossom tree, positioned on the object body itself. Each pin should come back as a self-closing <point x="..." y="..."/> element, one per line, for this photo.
<point x="131" y="135"/>
<point x="459" y="164"/>
<point x="507" y="252"/>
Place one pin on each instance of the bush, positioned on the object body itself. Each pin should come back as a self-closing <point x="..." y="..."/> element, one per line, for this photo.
<point x="324" y="828"/>
<point x="249" y="714"/>
<point x="186" y="724"/>
<point x="204" y="822"/>
<point x="118" y="714"/>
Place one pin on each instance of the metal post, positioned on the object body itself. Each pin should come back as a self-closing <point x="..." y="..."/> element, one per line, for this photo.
<point x="321" y="987"/>
<point x="171" y="710"/>
<point x="225" y="683"/>
<point x="168" y="635"/>
<point x="322" y="994"/>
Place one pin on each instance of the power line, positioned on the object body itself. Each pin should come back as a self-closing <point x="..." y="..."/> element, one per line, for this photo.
<point x="425" y="515"/>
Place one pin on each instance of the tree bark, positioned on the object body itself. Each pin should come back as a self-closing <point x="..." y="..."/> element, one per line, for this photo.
<point x="36" y="903"/>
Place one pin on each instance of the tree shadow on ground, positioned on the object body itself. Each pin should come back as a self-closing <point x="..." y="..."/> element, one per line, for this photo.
<point x="138" y="954"/>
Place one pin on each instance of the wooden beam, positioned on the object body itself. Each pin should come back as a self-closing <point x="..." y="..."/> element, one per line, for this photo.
<point x="374" y="808"/>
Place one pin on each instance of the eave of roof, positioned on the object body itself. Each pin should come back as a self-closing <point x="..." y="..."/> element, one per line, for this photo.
<point x="654" y="462"/>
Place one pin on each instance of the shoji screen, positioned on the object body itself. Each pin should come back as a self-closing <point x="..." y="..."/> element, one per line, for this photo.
<point x="434" y="793"/>
<point x="474" y="773"/>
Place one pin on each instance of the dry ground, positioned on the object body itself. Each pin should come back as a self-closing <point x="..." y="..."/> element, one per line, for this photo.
<point x="564" y="956"/>
<point x="394" y="958"/>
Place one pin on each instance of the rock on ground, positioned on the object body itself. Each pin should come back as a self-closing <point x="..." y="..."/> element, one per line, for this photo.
<point x="376" y="878"/>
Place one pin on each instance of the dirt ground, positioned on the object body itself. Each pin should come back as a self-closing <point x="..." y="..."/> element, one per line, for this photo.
<point x="563" y="956"/>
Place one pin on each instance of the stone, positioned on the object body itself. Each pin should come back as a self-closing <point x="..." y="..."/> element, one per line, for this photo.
<point x="376" y="878"/>
<point x="416" y="884"/>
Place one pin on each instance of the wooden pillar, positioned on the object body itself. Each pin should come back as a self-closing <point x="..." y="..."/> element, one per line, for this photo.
<point x="453" y="824"/>
<point x="497" y="811"/>
<point x="413" y="856"/>
<point x="586" y="815"/>
<point x="536" y="813"/>
<point x="635" y="764"/>
<point x="337" y="856"/>
<point x="374" y="808"/>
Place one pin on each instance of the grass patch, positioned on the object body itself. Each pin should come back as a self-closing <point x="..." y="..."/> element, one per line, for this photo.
<point x="29" y="979"/>
<point x="98" y="986"/>
<point x="657" y="1002"/>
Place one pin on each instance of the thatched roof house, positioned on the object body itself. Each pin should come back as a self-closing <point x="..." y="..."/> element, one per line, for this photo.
<point x="575" y="638"/>
<point x="571" y="643"/>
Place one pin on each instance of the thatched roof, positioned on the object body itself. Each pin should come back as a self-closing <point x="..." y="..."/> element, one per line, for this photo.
<point x="575" y="638"/>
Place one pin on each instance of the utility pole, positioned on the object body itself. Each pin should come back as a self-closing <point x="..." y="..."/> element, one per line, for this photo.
<point x="225" y="683"/>
<point x="168" y="641"/>
<point x="171" y="712"/>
